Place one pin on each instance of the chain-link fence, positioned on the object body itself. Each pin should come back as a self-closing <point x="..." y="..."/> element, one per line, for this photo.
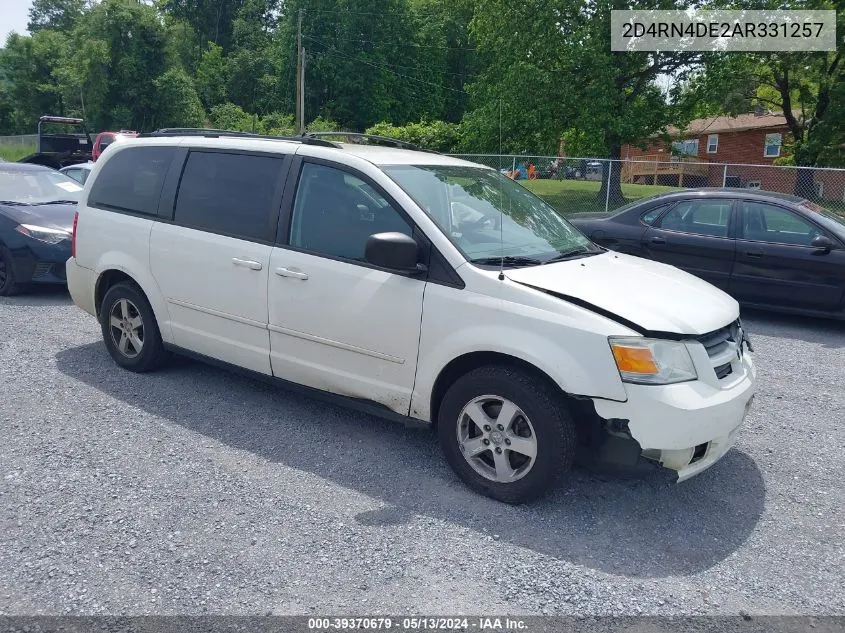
<point x="574" y="185"/>
<point x="14" y="147"/>
<point x="22" y="140"/>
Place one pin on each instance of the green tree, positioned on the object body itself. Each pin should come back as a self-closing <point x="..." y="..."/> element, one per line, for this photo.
<point x="178" y="104"/>
<point x="213" y="21"/>
<point x="360" y="60"/>
<point x="120" y="51"/>
<point x="805" y="87"/>
<point x="550" y="68"/>
<point x="211" y="76"/>
<point x="60" y="15"/>
<point x="33" y="79"/>
<point x="228" y="116"/>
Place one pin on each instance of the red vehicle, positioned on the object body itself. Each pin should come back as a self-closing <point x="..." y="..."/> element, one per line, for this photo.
<point x="104" y="139"/>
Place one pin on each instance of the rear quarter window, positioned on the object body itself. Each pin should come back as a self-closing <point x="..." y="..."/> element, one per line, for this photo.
<point x="132" y="179"/>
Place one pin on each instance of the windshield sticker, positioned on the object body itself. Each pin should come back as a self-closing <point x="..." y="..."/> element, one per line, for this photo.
<point x="69" y="186"/>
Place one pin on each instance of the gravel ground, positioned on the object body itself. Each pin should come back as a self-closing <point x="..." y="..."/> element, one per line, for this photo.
<point x="195" y="491"/>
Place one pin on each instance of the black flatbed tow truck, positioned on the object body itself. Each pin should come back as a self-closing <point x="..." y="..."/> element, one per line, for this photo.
<point x="60" y="149"/>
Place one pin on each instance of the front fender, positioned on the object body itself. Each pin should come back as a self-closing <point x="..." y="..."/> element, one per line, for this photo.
<point x="562" y="344"/>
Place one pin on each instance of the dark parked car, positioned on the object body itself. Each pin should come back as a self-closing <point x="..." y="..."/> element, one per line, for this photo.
<point x="767" y="250"/>
<point x="37" y="206"/>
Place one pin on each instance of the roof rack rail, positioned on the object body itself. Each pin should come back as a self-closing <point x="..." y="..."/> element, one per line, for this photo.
<point x="358" y="137"/>
<point x="215" y="133"/>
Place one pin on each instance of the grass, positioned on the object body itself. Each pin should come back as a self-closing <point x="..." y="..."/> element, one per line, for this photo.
<point x="575" y="196"/>
<point x="13" y="153"/>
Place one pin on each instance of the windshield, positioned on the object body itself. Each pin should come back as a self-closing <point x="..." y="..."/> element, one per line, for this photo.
<point x="488" y="216"/>
<point x="37" y="186"/>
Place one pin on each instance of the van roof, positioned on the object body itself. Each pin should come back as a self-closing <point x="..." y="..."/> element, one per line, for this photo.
<point x="376" y="154"/>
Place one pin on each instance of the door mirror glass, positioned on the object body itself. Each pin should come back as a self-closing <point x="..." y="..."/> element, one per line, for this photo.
<point x="822" y="242"/>
<point x="393" y="250"/>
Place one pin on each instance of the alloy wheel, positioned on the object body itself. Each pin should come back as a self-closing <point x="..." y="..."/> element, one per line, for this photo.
<point x="496" y="438"/>
<point x="127" y="328"/>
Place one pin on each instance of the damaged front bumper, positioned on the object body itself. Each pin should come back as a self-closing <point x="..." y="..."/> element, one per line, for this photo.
<point x="685" y="427"/>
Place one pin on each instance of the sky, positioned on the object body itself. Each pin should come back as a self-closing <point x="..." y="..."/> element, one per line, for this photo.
<point x="13" y="17"/>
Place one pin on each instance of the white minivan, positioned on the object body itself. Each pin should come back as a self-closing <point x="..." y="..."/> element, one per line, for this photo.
<point x="412" y="285"/>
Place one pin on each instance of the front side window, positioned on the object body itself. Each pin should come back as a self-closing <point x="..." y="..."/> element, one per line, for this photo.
<point x="772" y="147"/>
<point x="488" y="216"/>
<point x="36" y="186"/>
<point x="230" y="194"/>
<point x="335" y="213"/>
<point x="763" y="222"/>
<point x="131" y="180"/>
<point x="650" y="217"/>
<point x="701" y="217"/>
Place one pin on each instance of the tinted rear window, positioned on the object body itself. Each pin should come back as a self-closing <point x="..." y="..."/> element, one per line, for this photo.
<point x="231" y="194"/>
<point x="131" y="180"/>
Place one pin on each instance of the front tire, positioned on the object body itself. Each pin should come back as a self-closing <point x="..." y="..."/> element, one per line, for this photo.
<point x="130" y="330"/>
<point x="9" y="285"/>
<point x="506" y="434"/>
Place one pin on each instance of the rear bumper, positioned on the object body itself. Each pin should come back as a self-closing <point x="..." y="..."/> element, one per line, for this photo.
<point x="80" y="285"/>
<point x="686" y="427"/>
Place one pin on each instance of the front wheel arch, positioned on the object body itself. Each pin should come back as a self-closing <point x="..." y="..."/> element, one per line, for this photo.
<point x="466" y="363"/>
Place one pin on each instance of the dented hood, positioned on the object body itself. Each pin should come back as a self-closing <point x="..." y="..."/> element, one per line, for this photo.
<point x="652" y="296"/>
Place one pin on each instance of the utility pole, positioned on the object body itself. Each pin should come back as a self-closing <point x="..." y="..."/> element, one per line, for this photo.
<point x="300" y="78"/>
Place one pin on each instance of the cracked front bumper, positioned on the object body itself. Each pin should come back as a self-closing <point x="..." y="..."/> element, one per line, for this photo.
<point x="686" y="427"/>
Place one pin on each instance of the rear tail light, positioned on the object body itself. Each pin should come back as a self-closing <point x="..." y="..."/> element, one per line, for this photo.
<point x="73" y="238"/>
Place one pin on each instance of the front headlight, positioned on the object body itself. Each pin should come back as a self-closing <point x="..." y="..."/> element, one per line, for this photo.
<point x="649" y="361"/>
<point x="42" y="233"/>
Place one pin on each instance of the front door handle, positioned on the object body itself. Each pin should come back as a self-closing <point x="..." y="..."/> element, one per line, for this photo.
<point x="658" y="240"/>
<point x="247" y="263"/>
<point x="289" y="272"/>
<point x="754" y="253"/>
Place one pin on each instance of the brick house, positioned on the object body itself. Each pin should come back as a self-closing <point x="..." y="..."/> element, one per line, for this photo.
<point x="732" y="151"/>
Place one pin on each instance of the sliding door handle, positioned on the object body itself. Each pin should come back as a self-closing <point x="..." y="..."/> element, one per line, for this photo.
<point x="290" y="272"/>
<point x="247" y="263"/>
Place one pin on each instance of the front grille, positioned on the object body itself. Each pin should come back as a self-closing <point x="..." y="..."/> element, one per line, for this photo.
<point x="42" y="269"/>
<point x="723" y="370"/>
<point x="721" y="346"/>
<point x="45" y="269"/>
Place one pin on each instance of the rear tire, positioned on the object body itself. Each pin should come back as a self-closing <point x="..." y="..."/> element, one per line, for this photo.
<point x="130" y="330"/>
<point x="9" y="285"/>
<point x="506" y="434"/>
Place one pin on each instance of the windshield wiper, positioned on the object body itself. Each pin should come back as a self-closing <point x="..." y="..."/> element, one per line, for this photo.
<point x="579" y="252"/>
<point x="14" y="203"/>
<point x="56" y="202"/>
<point x="507" y="260"/>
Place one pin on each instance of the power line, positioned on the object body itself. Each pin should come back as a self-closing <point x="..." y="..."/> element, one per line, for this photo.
<point x="390" y="70"/>
<point x="413" y="44"/>
<point x="442" y="72"/>
<point x="410" y="14"/>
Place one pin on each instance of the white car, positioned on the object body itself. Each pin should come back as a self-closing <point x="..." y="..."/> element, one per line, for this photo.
<point x="78" y="172"/>
<point x="416" y="286"/>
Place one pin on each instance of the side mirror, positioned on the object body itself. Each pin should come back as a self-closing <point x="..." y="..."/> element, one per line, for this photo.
<point x="393" y="251"/>
<point x="823" y="244"/>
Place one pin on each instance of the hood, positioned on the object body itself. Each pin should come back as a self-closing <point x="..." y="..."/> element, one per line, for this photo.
<point x="652" y="296"/>
<point x="51" y="216"/>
